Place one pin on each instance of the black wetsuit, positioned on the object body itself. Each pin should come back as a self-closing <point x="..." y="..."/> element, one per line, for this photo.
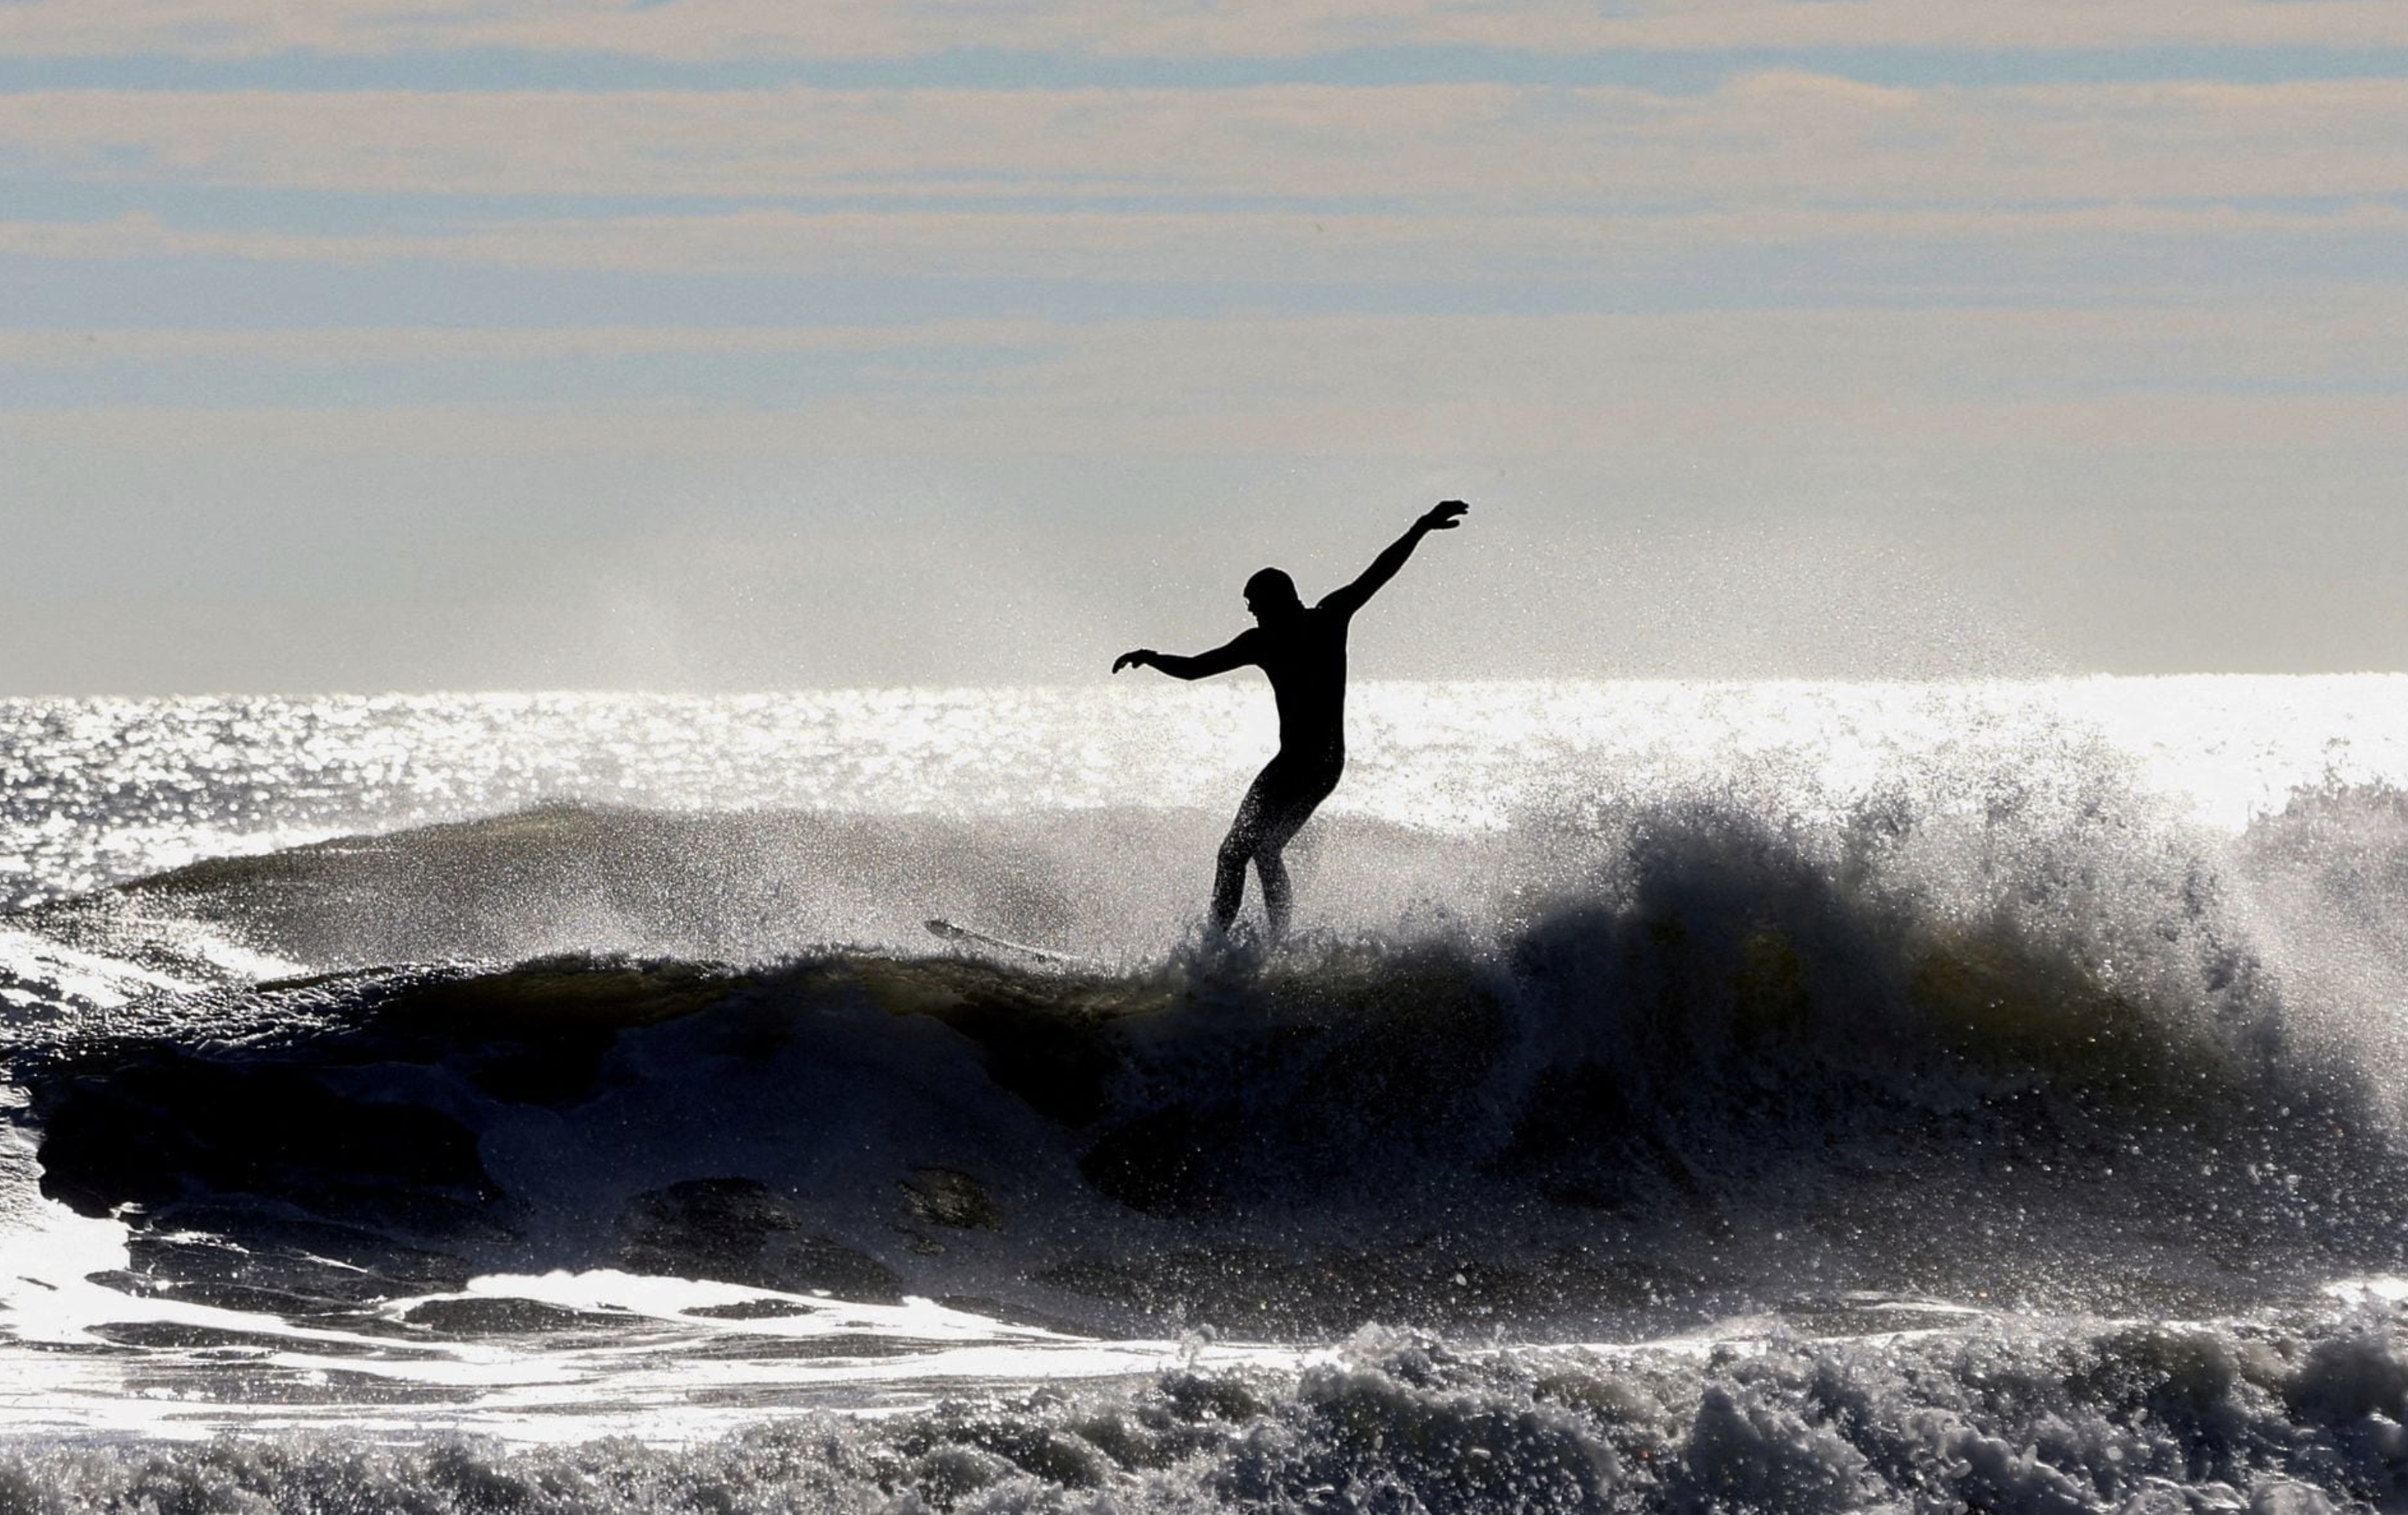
<point x="1304" y="656"/>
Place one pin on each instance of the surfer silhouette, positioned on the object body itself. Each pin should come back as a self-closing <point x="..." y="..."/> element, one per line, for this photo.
<point x="1302" y="649"/>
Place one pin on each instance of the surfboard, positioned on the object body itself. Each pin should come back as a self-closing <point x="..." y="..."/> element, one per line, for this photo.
<point x="968" y="937"/>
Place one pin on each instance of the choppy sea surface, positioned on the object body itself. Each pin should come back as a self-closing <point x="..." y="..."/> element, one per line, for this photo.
<point x="1777" y="1097"/>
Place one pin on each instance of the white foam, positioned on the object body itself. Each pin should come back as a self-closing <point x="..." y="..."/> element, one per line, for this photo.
<point x="80" y="976"/>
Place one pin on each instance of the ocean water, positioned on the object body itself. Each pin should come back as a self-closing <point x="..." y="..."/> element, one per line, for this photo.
<point x="1700" y="1097"/>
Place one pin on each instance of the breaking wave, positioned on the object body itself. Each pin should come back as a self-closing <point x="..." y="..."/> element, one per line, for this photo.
<point x="1681" y="1057"/>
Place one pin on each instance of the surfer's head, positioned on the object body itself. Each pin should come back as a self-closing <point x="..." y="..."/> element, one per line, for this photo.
<point x="1270" y="594"/>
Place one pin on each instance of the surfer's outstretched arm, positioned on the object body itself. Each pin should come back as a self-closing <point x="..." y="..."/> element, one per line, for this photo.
<point x="1236" y="654"/>
<point x="1445" y="516"/>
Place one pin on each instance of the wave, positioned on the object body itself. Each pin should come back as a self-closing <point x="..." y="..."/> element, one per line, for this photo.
<point x="2298" y="1418"/>
<point x="1679" y="1057"/>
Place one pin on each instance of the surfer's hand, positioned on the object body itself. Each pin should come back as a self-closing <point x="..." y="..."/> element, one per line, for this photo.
<point x="1445" y="516"/>
<point x="1137" y="659"/>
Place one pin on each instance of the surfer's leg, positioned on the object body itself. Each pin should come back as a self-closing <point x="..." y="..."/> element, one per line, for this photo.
<point x="1276" y="893"/>
<point x="1228" y="884"/>
<point x="1284" y="811"/>
<point x="1238" y="848"/>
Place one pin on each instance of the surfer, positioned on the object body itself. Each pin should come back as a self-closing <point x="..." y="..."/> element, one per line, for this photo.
<point x="1303" y="653"/>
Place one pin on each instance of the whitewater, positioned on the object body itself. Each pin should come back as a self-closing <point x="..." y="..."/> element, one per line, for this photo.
<point x="1774" y="1096"/>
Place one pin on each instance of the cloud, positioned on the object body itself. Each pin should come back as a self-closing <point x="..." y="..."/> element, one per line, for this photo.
<point x="1767" y="385"/>
<point x="1556" y="432"/>
<point x="1968" y="253"/>
<point x="749" y="29"/>
<point x="1779" y="138"/>
<point x="356" y="346"/>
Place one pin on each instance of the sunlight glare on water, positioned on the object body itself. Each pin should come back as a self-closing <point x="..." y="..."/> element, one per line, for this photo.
<point x="94" y="791"/>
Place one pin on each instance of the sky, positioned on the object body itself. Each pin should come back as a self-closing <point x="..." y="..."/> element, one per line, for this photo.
<point x="742" y="344"/>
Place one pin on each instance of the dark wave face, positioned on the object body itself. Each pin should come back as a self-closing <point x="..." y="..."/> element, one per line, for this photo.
<point x="1682" y="1062"/>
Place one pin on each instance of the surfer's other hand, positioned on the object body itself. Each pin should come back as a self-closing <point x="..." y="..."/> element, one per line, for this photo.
<point x="1445" y="516"/>
<point x="1137" y="659"/>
